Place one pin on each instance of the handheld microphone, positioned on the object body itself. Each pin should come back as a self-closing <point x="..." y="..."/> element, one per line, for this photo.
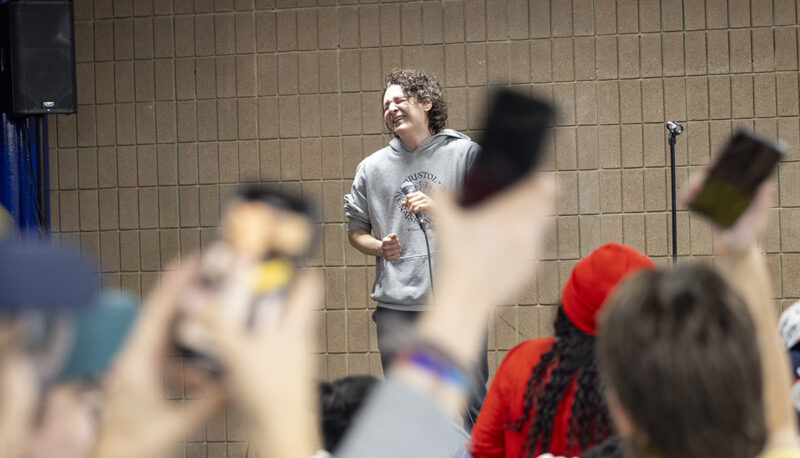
<point x="674" y="127"/>
<point x="408" y="188"/>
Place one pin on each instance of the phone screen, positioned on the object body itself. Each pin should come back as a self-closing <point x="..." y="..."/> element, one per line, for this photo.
<point x="745" y="162"/>
<point x="516" y="126"/>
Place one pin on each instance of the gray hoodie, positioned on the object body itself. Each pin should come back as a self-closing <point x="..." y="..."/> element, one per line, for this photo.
<point x="441" y="161"/>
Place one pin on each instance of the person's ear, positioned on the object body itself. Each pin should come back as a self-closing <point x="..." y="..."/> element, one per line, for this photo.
<point x="621" y="417"/>
<point x="427" y="106"/>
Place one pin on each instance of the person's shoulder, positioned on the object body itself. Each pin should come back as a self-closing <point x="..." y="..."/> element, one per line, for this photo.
<point x="458" y="141"/>
<point x="525" y="355"/>
<point x="379" y="153"/>
<point x="376" y="157"/>
<point x="537" y="345"/>
<point x="453" y="135"/>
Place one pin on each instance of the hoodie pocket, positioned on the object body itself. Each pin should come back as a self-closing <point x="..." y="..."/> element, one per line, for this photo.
<point x="405" y="281"/>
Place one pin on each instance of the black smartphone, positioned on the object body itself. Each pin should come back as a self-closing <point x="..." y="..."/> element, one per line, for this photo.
<point x="744" y="163"/>
<point x="511" y="145"/>
<point x="266" y="233"/>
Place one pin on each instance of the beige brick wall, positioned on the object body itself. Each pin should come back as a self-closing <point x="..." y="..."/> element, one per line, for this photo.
<point x="179" y="100"/>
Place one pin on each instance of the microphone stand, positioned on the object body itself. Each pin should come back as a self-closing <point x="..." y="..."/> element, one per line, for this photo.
<point x="674" y="129"/>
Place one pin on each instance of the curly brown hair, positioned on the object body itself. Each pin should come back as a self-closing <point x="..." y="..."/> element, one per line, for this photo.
<point x="424" y="88"/>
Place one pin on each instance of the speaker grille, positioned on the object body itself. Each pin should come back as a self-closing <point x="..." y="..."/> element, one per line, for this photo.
<point x="46" y="78"/>
<point x="43" y="24"/>
<point x="41" y="68"/>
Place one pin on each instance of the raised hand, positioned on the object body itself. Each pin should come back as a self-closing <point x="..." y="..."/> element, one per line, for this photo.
<point x="139" y="421"/>
<point x="744" y="233"/>
<point x="486" y="254"/>
<point x="270" y="369"/>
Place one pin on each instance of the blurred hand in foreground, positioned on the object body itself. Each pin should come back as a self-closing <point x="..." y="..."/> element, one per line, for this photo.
<point x="139" y="421"/>
<point x="744" y="233"/>
<point x="745" y="269"/>
<point x="70" y="421"/>
<point x="19" y="396"/>
<point x="270" y="370"/>
<point x="486" y="253"/>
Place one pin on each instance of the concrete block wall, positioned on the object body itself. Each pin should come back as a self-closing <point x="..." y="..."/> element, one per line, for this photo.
<point x="180" y="100"/>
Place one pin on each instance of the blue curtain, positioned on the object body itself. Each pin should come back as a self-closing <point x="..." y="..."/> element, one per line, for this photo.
<point x="19" y="188"/>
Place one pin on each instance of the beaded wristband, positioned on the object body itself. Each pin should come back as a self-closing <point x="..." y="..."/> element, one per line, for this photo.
<point x="442" y="368"/>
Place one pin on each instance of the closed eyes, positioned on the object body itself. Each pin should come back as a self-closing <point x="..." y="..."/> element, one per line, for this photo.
<point x="396" y="102"/>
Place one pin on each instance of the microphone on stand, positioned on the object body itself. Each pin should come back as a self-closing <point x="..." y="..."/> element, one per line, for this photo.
<point x="674" y="128"/>
<point x="408" y="188"/>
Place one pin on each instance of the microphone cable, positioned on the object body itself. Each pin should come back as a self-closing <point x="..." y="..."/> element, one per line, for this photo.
<point x="428" y="249"/>
<point x="407" y="188"/>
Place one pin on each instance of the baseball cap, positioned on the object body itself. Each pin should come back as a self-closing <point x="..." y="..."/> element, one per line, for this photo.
<point x="35" y="274"/>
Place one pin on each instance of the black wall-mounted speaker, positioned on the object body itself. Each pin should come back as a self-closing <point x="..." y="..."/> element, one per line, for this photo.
<point x="37" y="57"/>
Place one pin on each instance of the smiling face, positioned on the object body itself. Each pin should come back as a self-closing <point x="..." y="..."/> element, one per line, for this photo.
<point x="405" y="116"/>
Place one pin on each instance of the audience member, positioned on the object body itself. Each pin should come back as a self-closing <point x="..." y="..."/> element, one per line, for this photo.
<point x="72" y="408"/>
<point x="70" y="421"/>
<point x="546" y="396"/>
<point x="676" y="351"/>
<point x="689" y="359"/>
<point x="687" y="336"/>
<point x="340" y="400"/>
<point x="36" y="324"/>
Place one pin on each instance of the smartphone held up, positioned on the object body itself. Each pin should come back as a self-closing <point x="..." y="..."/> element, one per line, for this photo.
<point x="249" y="272"/>
<point x="511" y="144"/>
<point x="744" y="164"/>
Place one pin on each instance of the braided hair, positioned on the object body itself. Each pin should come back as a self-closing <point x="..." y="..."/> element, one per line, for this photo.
<point x="571" y="359"/>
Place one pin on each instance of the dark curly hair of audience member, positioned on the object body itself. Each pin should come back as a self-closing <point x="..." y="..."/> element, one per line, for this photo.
<point x="339" y="403"/>
<point x="424" y="88"/>
<point x="570" y="358"/>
